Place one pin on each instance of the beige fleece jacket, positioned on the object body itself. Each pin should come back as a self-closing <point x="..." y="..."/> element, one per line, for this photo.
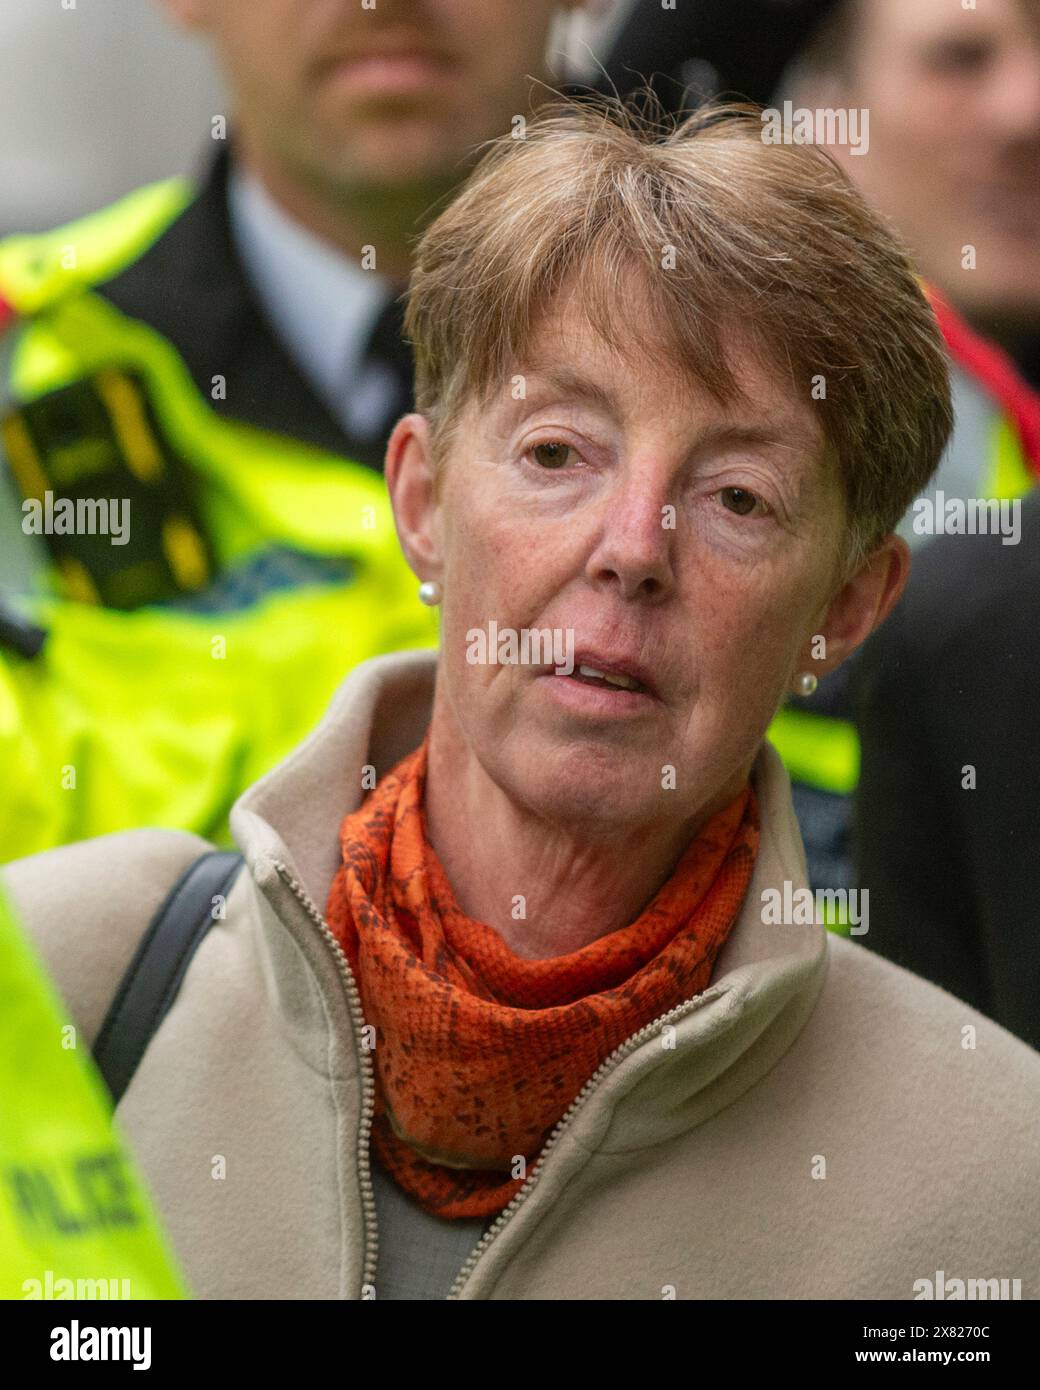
<point x="818" y="1123"/>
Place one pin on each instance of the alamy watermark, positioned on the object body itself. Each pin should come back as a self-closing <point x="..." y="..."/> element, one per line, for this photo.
<point x="530" y="646"/>
<point x="946" y="1288"/>
<point x="81" y="516"/>
<point x="803" y="125"/>
<point x="54" y="1286"/>
<point x="803" y="907"/>
<point x="81" y="1342"/>
<point x="969" y="516"/>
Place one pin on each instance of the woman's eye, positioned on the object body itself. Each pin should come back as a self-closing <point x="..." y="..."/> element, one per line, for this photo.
<point x="552" y="454"/>
<point x="739" y="500"/>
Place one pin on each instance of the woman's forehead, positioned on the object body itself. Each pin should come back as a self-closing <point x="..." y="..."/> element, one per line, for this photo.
<point x="568" y="359"/>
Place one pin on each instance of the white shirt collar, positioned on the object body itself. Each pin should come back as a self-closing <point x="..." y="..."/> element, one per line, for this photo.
<point x="319" y="301"/>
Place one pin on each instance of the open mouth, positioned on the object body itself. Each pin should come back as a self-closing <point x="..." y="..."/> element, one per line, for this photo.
<point x="590" y="692"/>
<point x="607" y="680"/>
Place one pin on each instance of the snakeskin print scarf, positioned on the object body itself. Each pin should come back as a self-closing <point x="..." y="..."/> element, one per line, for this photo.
<point x="479" y="1052"/>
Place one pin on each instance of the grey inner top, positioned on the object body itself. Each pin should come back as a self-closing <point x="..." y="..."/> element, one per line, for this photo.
<point x="420" y="1255"/>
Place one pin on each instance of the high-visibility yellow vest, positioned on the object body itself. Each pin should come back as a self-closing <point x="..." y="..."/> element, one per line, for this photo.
<point x="76" y="1221"/>
<point x="158" y="716"/>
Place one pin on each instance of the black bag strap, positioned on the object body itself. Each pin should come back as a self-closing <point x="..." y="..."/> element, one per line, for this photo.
<point x="159" y="965"/>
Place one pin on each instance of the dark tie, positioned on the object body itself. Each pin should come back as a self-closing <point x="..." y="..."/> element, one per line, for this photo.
<point x="388" y="351"/>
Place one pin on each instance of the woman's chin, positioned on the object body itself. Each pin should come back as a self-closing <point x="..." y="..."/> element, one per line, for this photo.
<point x="574" y="784"/>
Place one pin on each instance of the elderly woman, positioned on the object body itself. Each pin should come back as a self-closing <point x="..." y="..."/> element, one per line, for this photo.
<point x="518" y="995"/>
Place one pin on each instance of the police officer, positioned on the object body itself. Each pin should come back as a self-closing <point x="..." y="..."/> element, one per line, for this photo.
<point x="221" y="364"/>
<point x="75" y="1218"/>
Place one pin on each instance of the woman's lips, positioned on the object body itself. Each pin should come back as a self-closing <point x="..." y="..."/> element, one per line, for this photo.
<point x="623" y="669"/>
<point x="596" y="699"/>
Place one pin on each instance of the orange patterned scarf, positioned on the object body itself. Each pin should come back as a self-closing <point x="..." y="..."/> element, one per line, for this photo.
<point x="479" y="1052"/>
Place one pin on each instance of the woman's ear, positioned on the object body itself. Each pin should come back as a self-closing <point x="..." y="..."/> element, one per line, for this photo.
<point x="861" y="605"/>
<point x="410" y="479"/>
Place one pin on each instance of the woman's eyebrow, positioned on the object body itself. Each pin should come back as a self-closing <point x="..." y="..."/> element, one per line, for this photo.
<point x="569" y="383"/>
<point x="781" y="434"/>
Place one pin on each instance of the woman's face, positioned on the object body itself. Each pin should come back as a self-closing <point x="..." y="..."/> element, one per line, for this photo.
<point x="687" y="546"/>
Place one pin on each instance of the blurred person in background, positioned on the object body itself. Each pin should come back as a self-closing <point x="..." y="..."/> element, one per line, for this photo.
<point x="953" y="93"/>
<point x="944" y="697"/>
<point x="953" y="160"/>
<point x="196" y="387"/>
<point x="947" y="825"/>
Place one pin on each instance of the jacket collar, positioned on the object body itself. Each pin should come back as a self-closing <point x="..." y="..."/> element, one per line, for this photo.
<point x="192" y="287"/>
<point x="767" y="977"/>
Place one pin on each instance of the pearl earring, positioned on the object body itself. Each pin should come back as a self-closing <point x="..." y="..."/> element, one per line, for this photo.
<point x="430" y="593"/>
<point x="806" y="683"/>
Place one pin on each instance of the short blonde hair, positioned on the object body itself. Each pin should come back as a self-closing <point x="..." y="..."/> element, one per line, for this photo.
<point x="772" y="240"/>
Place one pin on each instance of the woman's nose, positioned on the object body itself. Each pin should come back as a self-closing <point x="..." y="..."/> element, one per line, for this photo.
<point x="634" y="551"/>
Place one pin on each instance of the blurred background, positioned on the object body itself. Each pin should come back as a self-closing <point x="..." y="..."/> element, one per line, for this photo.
<point x="95" y="101"/>
<point x="99" y="99"/>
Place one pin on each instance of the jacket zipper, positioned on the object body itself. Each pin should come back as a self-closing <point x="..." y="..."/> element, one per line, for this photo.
<point x="368" y="1202"/>
<point x="368" y="1080"/>
<point x="594" y="1082"/>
